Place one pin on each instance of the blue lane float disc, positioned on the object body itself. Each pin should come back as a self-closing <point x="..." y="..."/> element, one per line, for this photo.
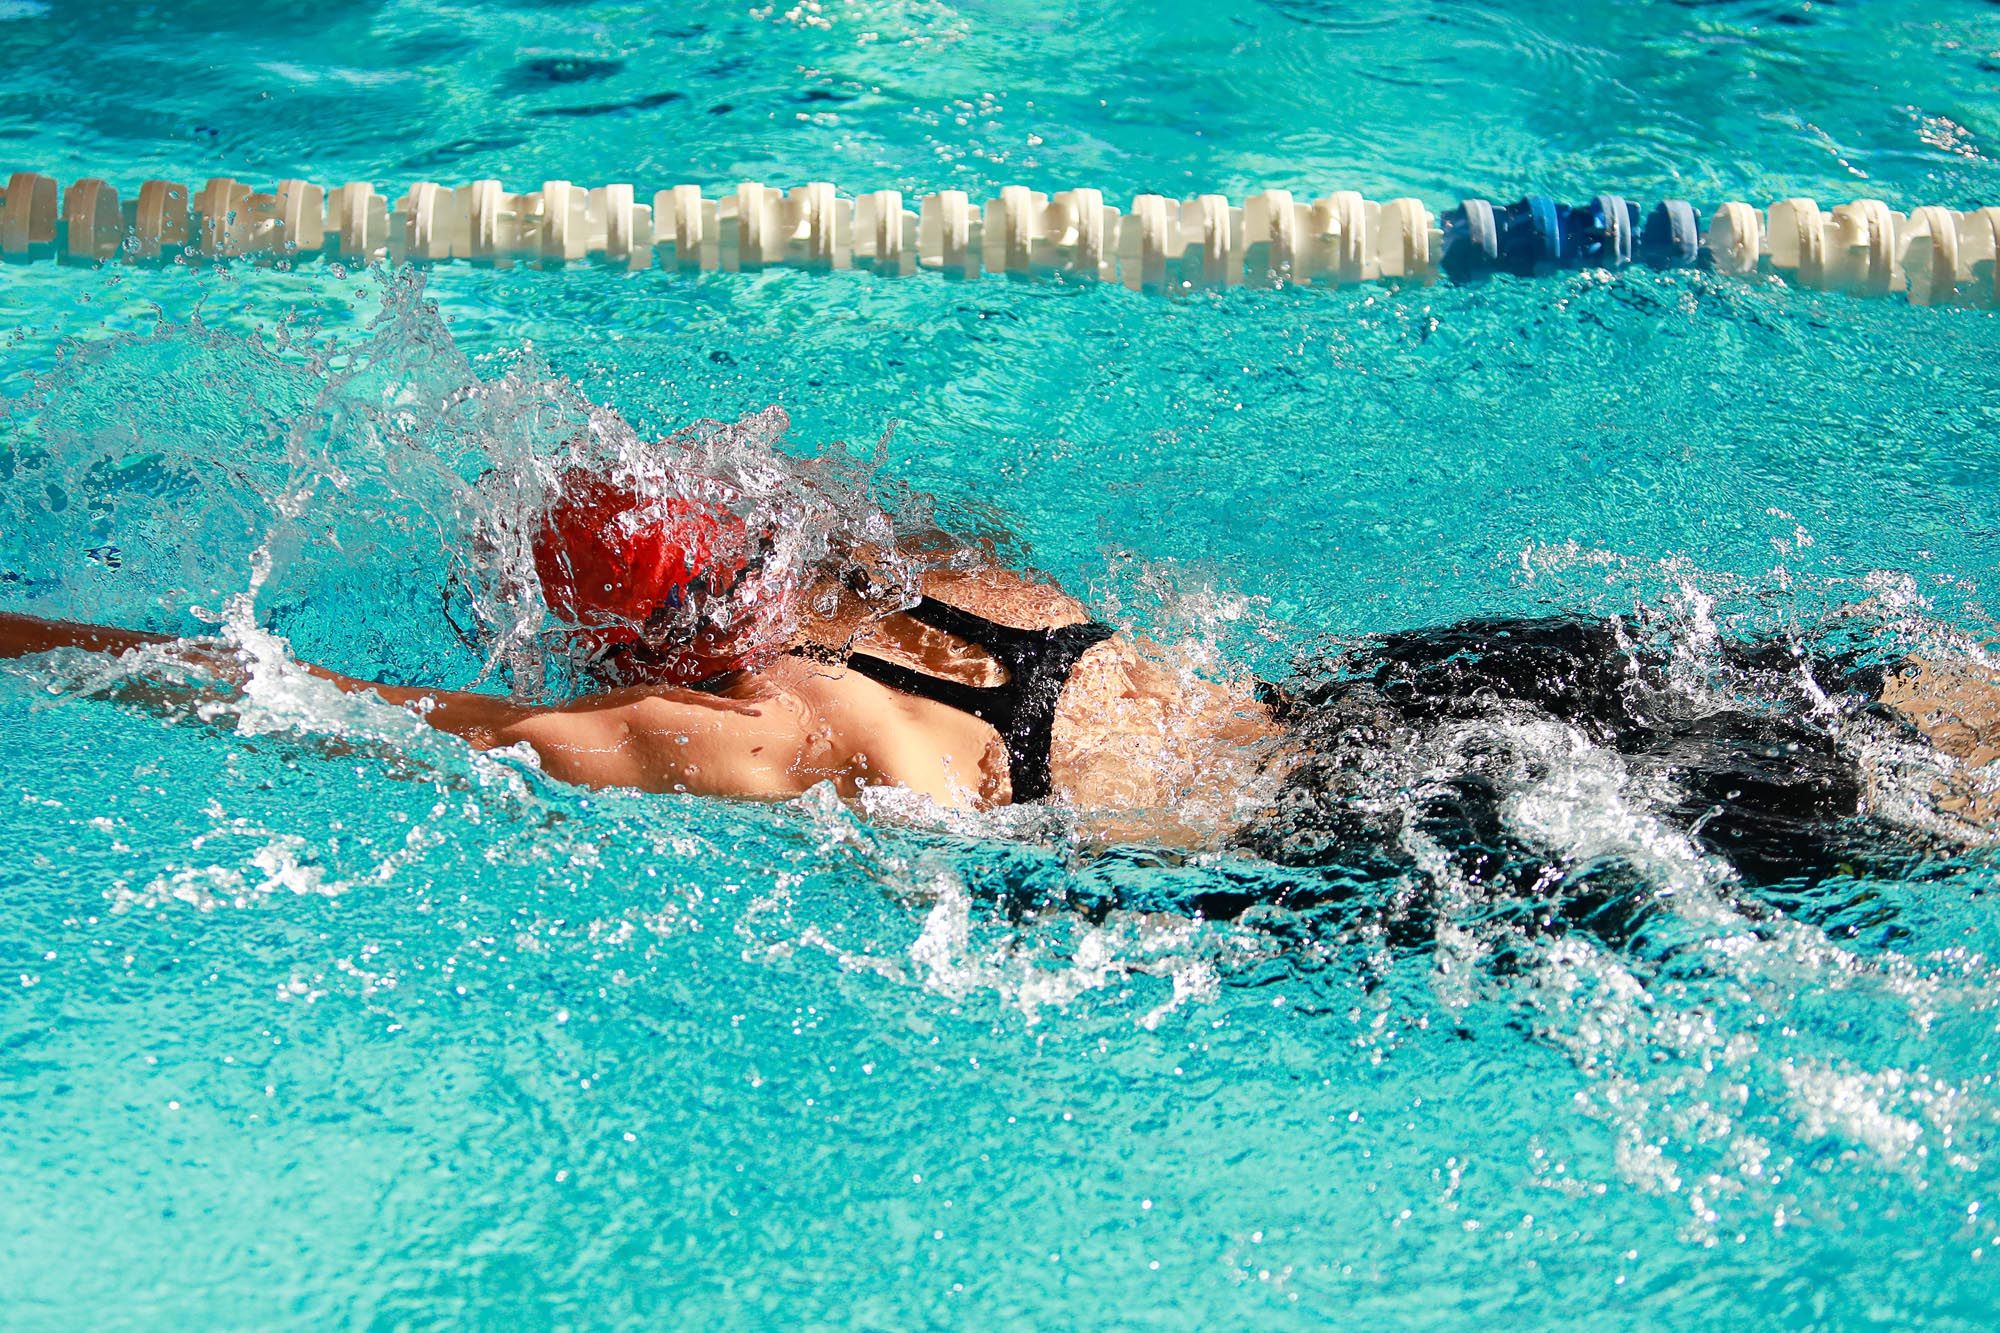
<point x="1614" y="220"/>
<point x="1471" y="240"/>
<point x="1672" y="236"/>
<point x="1545" y="214"/>
<point x="1531" y="235"/>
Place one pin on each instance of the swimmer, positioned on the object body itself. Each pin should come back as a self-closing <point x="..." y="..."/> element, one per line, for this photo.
<point x="994" y="688"/>
<point x="991" y="689"/>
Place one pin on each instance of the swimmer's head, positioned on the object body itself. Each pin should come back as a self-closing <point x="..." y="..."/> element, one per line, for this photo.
<point x="655" y="588"/>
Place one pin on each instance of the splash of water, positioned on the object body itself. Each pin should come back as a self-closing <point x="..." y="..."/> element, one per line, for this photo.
<point x="370" y="493"/>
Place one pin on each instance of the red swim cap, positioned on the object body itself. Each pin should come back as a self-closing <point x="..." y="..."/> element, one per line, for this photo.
<point x="616" y="564"/>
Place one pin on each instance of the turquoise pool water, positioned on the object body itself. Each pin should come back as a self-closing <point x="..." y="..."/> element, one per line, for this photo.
<point x="311" y="1016"/>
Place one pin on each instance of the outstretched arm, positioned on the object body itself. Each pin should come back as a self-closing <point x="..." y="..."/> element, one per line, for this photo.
<point x="660" y="739"/>
<point x="22" y="635"/>
<point x="479" y="718"/>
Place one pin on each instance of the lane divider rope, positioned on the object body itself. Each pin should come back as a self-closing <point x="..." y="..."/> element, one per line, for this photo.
<point x="1932" y="255"/>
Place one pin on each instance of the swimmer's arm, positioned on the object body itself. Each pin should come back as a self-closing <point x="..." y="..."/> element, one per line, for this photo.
<point x="655" y="738"/>
<point x="478" y="718"/>
<point x="21" y="636"/>
<point x="659" y="739"/>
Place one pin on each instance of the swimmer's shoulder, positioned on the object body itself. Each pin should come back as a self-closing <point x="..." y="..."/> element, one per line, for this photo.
<point x="1006" y="596"/>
